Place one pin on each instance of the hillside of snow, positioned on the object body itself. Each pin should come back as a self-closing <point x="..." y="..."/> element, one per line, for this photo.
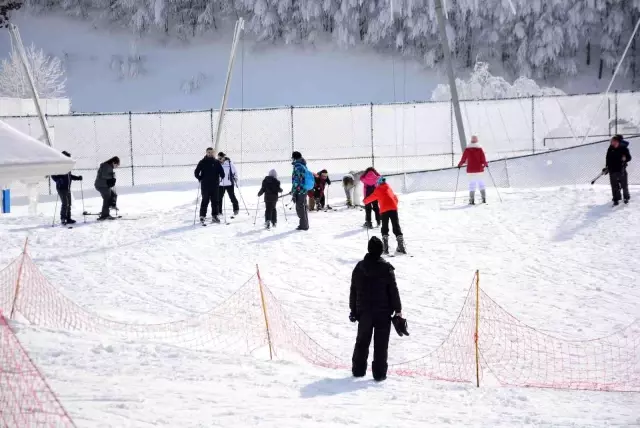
<point x="559" y="260"/>
<point x="112" y="70"/>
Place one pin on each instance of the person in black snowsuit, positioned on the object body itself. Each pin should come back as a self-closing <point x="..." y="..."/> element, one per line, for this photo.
<point x="105" y="182"/>
<point x="618" y="156"/>
<point x="63" y="187"/>
<point x="209" y="172"/>
<point x="373" y="299"/>
<point x="270" y="189"/>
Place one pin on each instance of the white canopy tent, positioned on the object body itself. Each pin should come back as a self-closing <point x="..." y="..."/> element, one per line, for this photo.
<point x="28" y="160"/>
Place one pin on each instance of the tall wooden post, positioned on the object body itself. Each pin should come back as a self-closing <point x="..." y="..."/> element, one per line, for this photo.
<point x="264" y="312"/>
<point x="476" y="336"/>
<point x="17" y="291"/>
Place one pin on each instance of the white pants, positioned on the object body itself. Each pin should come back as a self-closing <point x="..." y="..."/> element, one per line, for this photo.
<point x="476" y="181"/>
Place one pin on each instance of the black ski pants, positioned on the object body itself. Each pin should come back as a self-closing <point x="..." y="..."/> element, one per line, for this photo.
<point x="378" y="326"/>
<point x="373" y="206"/>
<point x="270" y="213"/>
<point x="209" y="196"/>
<point x="619" y="181"/>
<point x="65" y="203"/>
<point x="232" y="195"/>
<point x="395" y="223"/>
<point x="109" y="199"/>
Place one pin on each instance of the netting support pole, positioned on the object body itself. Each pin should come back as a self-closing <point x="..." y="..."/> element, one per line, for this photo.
<point x="476" y="335"/>
<point x="15" y="296"/>
<point x="133" y="179"/>
<point x="264" y="312"/>
<point x="373" y="155"/>
<point x="533" y="125"/>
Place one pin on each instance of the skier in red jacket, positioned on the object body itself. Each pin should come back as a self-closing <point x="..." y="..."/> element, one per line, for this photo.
<point x="476" y="162"/>
<point x="388" y="202"/>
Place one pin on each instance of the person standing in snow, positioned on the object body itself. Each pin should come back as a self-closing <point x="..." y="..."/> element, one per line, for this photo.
<point x="618" y="156"/>
<point x="63" y="187"/>
<point x="228" y="182"/>
<point x="369" y="180"/>
<point x="348" y="185"/>
<point x="317" y="198"/>
<point x="388" y="201"/>
<point x="270" y="189"/>
<point x="476" y="162"/>
<point x="105" y="182"/>
<point x="373" y="299"/>
<point x="298" y="192"/>
<point x="209" y="173"/>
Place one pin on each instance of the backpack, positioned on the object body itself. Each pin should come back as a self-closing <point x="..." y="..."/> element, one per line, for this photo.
<point x="309" y="180"/>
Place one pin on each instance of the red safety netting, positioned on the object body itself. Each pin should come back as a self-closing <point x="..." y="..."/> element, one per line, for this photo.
<point x="26" y="401"/>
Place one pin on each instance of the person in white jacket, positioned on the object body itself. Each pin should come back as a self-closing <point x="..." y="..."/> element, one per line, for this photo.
<point x="228" y="182"/>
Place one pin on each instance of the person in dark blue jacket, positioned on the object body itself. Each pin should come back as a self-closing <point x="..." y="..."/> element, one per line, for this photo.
<point x="63" y="187"/>
<point x="209" y="172"/>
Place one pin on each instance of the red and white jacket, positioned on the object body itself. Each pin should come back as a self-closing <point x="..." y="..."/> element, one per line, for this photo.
<point x="474" y="157"/>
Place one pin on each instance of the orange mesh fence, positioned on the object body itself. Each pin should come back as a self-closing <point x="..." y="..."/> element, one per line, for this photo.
<point x="26" y="401"/>
<point x="519" y="355"/>
<point x="485" y="337"/>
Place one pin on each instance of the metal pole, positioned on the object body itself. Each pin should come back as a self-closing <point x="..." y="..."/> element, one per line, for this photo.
<point x="293" y="144"/>
<point x="452" y="78"/>
<point x="533" y="125"/>
<point x="236" y="34"/>
<point x="15" y="34"/>
<point x="133" y="180"/>
<point x="476" y="335"/>
<point x="616" y="111"/>
<point x="373" y="155"/>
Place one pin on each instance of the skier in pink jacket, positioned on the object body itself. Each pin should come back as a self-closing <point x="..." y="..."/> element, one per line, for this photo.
<point x="369" y="180"/>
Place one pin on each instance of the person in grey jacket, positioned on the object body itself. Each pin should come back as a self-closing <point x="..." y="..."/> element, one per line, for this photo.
<point x="105" y="182"/>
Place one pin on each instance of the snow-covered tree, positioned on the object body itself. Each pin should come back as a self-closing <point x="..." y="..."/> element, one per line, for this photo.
<point x="47" y="72"/>
<point x="6" y="6"/>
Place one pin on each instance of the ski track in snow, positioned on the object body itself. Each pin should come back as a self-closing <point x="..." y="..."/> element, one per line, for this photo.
<point x="560" y="260"/>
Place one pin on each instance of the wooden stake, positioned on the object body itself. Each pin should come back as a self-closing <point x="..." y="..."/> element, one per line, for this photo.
<point x="264" y="312"/>
<point x="15" y="296"/>
<point x="477" y="328"/>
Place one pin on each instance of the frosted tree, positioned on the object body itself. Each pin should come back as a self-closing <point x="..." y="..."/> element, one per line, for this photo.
<point x="47" y="72"/>
<point x="6" y="6"/>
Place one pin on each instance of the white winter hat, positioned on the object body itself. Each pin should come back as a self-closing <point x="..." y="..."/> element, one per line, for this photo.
<point x="273" y="173"/>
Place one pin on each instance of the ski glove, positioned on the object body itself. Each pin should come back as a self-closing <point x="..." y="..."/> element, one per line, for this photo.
<point x="605" y="171"/>
<point x="352" y="317"/>
<point x="111" y="182"/>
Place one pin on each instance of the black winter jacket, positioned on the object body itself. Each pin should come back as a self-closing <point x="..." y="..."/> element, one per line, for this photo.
<point x="614" y="158"/>
<point x="373" y="288"/>
<point x="209" y="171"/>
<point x="270" y="189"/>
<point x="63" y="181"/>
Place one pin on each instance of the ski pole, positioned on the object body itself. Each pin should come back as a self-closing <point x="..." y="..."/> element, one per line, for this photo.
<point x="55" y="208"/>
<point x="224" y="212"/>
<point x="284" y="210"/>
<point x="82" y="196"/>
<point x="596" y="179"/>
<point x="494" y="183"/>
<point x="195" y="212"/>
<point x="243" y="203"/>
<point x="255" y="219"/>
<point x="455" y="195"/>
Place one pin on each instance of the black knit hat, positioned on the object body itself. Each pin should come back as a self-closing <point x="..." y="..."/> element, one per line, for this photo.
<point x="296" y="155"/>
<point x="375" y="246"/>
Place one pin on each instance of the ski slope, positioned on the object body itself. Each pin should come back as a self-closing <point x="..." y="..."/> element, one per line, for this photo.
<point x="561" y="260"/>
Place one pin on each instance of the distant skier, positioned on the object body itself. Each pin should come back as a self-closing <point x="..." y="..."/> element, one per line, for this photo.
<point x="388" y="201"/>
<point x="476" y="162"/>
<point x="209" y="173"/>
<point x="301" y="183"/>
<point x="348" y="185"/>
<point x="316" y="196"/>
<point x="228" y="182"/>
<point x="369" y="179"/>
<point x="616" y="166"/>
<point x="105" y="182"/>
<point x="373" y="298"/>
<point x="63" y="187"/>
<point x="270" y="189"/>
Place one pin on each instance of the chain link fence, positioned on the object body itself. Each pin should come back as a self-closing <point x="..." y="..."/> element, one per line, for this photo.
<point x="164" y="147"/>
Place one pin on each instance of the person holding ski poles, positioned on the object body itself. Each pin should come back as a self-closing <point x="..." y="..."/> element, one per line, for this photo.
<point x="270" y="189"/>
<point x="228" y="182"/>
<point x="618" y="156"/>
<point x="63" y="187"/>
<point x="476" y="162"/>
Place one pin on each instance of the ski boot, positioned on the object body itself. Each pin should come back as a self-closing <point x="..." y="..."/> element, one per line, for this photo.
<point x="626" y="201"/>
<point x="385" y="245"/>
<point x="616" y="203"/>
<point x="215" y="219"/>
<point x="349" y="203"/>
<point x="379" y="222"/>
<point x="483" y="193"/>
<point x="318" y="205"/>
<point x="472" y="197"/>
<point x="273" y="224"/>
<point x="236" y="212"/>
<point x="401" y="249"/>
<point x="367" y="225"/>
<point x="267" y="225"/>
<point x="202" y="219"/>
<point x="105" y="217"/>
<point x="70" y="221"/>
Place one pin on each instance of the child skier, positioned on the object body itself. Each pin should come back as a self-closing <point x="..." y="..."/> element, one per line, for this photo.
<point x="318" y="198"/>
<point x="270" y="188"/>
<point x="388" y="201"/>
<point x="348" y="185"/>
<point x="369" y="180"/>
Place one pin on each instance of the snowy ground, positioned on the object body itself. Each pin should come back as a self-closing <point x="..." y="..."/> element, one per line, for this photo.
<point x="560" y="260"/>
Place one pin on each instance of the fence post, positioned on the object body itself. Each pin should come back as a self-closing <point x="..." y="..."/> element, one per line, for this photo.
<point x="616" y="112"/>
<point x="476" y="336"/>
<point x="17" y="291"/>
<point x="373" y="154"/>
<point x="133" y="179"/>
<point x="453" y="160"/>
<point x="213" y="137"/>
<point x="293" y="145"/>
<point x="609" y="115"/>
<point x="264" y="311"/>
<point x="533" y="124"/>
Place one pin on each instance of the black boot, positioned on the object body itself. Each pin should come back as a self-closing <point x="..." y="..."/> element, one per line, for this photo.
<point x="472" y="196"/>
<point x="367" y="225"/>
<point x="401" y="249"/>
<point x="385" y="244"/>
<point x="483" y="193"/>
